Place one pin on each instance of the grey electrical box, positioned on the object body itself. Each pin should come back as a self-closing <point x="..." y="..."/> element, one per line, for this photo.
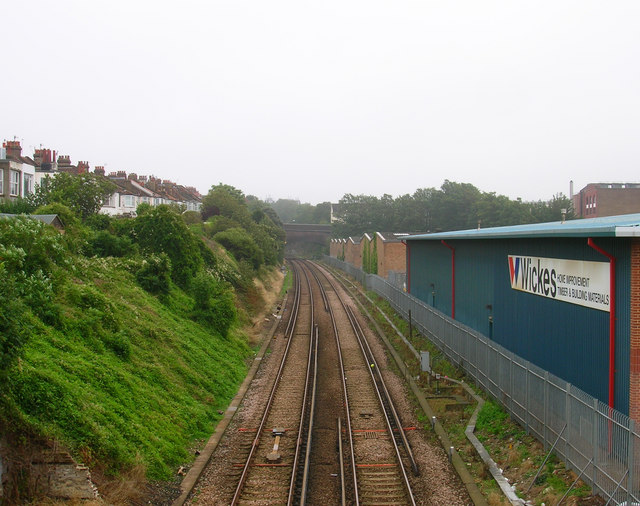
<point x="425" y="363"/>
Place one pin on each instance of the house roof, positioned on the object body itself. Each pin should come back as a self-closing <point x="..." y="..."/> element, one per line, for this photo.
<point x="392" y="236"/>
<point x="49" y="219"/>
<point x="626" y="225"/>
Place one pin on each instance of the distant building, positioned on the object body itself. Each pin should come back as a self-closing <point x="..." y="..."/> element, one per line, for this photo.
<point x="606" y="199"/>
<point x="19" y="175"/>
<point x="392" y="255"/>
<point x="133" y="190"/>
<point x="17" y="172"/>
<point x="335" y="212"/>
<point x="50" y="219"/>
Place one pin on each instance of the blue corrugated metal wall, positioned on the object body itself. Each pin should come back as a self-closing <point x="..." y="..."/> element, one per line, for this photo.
<point x="568" y="340"/>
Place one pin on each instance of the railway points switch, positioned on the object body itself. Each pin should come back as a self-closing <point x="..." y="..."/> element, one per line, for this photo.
<point x="275" y="456"/>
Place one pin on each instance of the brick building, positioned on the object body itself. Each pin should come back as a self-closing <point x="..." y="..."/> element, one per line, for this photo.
<point x="391" y="251"/>
<point x="353" y="251"/>
<point x="606" y="199"/>
<point x="17" y="172"/>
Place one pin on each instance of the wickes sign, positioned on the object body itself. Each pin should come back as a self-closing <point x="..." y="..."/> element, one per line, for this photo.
<point x="573" y="281"/>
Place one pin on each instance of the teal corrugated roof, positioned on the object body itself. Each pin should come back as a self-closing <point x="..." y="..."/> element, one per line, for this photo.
<point x="626" y="225"/>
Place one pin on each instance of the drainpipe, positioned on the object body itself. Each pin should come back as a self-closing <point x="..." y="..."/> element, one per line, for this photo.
<point x="408" y="260"/>
<point x="612" y="317"/>
<point x="453" y="279"/>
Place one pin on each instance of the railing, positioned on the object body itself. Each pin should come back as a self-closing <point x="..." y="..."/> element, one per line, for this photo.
<point x="598" y="443"/>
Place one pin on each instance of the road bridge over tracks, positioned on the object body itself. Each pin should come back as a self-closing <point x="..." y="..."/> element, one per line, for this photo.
<point x="307" y="240"/>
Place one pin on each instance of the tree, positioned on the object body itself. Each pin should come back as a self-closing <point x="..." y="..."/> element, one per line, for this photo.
<point x="454" y="206"/>
<point x="225" y="200"/>
<point x="241" y="245"/>
<point x="247" y="227"/>
<point x="83" y="193"/>
<point x="551" y="210"/>
<point x="498" y="210"/>
<point x="161" y="230"/>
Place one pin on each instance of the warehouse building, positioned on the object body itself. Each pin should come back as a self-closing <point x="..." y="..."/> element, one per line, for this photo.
<point x="563" y="295"/>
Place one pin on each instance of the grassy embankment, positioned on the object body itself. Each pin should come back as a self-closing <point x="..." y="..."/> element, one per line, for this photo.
<point x="131" y="379"/>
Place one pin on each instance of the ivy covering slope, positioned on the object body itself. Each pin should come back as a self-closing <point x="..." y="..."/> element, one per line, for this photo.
<point x="121" y="337"/>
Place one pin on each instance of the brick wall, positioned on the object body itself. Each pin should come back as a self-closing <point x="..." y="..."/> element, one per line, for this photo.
<point x="611" y="202"/>
<point x="353" y="253"/>
<point x="391" y="257"/>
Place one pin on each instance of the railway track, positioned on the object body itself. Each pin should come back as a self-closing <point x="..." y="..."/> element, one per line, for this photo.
<point x="275" y="467"/>
<point x="328" y="432"/>
<point x="377" y="451"/>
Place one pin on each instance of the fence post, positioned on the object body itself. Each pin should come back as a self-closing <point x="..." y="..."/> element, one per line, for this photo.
<point x="527" y="402"/>
<point x="511" y="385"/>
<point x="567" y="420"/>
<point x="631" y="461"/>
<point x="595" y="443"/>
<point x="546" y="407"/>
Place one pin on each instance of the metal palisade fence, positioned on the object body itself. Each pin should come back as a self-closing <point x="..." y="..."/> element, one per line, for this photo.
<point x="599" y="444"/>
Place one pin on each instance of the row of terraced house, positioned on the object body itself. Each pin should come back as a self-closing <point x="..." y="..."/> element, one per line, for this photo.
<point x="20" y="175"/>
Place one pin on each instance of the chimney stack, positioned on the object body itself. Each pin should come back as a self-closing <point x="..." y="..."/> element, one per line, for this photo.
<point x="64" y="164"/>
<point x="83" y="167"/>
<point x="99" y="169"/>
<point x="13" y="148"/>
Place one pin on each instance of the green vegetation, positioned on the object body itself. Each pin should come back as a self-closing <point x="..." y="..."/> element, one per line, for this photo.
<point x="293" y="211"/>
<point x="83" y="193"/>
<point x="121" y="338"/>
<point x="454" y="206"/>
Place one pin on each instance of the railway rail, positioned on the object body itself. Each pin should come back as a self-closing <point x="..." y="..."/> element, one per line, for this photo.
<point x="275" y="468"/>
<point x="378" y="452"/>
<point x="328" y="432"/>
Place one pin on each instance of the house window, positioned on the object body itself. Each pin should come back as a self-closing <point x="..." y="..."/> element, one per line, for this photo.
<point x="28" y="184"/>
<point x="109" y="201"/>
<point x="1" y="181"/>
<point x="129" y="201"/>
<point x="14" y="183"/>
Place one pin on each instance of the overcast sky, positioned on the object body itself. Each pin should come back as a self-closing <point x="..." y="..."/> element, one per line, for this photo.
<point x="313" y="100"/>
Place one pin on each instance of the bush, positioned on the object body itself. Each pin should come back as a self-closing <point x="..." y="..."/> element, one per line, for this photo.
<point x="29" y="245"/>
<point x="161" y="230"/>
<point x="18" y="206"/>
<point x="99" y="221"/>
<point x="143" y="208"/>
<point x="192" y="217"/>
<point x="75" y="234"/>
<point x="217" y="224"/>
<point x="105" y="244"/>
<point x="155" y="274"/>
<point x="213" y="302"/>
<point x="241" y="245"/>
<point x="38" y="294"/>
<point x="14" y="330"/>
